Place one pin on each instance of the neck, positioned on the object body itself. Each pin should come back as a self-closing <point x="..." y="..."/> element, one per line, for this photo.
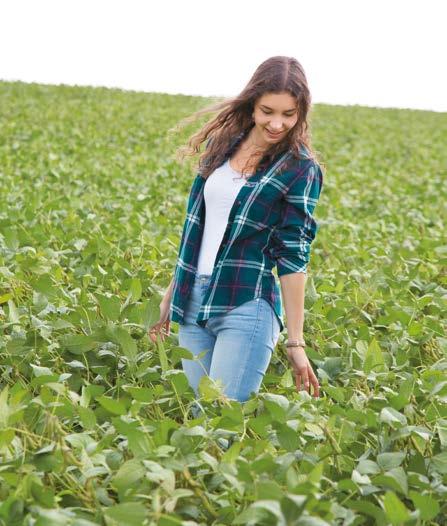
<point x="254" y="142"/>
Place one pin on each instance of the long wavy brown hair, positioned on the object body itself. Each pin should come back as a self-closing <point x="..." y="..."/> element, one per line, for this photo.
<point x="234" y="118"/>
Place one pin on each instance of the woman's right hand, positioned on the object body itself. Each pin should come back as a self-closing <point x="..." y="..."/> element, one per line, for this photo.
<point x="162" y="327"/>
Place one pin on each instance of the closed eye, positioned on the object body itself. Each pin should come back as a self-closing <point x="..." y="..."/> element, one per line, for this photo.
<point x="286" y="114"/>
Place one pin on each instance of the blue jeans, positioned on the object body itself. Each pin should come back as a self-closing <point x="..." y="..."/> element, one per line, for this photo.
<point x="239" y="343"/>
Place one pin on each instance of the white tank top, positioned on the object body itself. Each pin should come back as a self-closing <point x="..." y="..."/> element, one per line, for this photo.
<point x="220" y="191"/>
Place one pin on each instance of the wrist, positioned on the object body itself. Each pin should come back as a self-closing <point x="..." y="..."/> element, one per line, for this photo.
<point x="295" y="335"/>
<point x="295" y="348"/>
<point x="299" y="342"/>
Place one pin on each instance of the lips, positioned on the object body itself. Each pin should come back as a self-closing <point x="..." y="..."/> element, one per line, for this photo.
<point x="274" y="134"/>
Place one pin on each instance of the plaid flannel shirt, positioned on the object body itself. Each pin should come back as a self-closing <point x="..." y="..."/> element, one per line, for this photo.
<point x="270" y="224"/>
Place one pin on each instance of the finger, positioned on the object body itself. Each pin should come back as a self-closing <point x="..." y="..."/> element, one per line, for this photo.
<point x="153" y="332"/>
<point x="315" y="388"/>
<point x="305" y="376"/>
<point x="315" y="385"/>
<point x="298" y="381"/>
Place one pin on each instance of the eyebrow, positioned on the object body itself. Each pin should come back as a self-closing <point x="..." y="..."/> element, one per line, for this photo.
<point x="285" y="111"/>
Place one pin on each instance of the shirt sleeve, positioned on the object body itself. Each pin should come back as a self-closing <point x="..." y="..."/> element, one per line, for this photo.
<point x="293" y="236"/>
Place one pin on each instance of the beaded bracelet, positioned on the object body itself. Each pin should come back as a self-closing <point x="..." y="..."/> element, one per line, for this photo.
<point x="296" y="343"/>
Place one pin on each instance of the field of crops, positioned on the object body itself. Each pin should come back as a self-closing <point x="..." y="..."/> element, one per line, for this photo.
<point x="95" y="419"/>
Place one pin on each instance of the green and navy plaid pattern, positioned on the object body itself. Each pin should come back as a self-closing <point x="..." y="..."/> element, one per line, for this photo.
<point x="270" y="225"/>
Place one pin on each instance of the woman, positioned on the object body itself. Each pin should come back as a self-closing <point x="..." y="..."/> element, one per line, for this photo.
<point x="249" y="209"/>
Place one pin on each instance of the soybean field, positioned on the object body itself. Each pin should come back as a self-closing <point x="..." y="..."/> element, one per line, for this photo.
<point x="96" y="425"/>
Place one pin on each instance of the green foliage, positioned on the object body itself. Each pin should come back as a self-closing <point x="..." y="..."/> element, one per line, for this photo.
<point x="96" y="423"/>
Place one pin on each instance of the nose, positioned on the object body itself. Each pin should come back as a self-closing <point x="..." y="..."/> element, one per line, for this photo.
<point x="276" y="126"/>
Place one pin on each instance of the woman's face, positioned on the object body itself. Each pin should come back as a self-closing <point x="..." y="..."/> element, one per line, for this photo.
<point x="274" y="115"/>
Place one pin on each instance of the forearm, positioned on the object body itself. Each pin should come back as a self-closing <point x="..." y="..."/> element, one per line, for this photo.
<point x="168" y="293"/>
<point x="292" y="290"/>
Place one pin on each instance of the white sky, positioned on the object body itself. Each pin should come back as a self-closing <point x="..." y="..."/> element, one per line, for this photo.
<point x="388" y="53"/>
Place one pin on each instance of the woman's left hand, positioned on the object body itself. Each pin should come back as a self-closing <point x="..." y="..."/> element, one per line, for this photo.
<point x="303" y="370"/>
